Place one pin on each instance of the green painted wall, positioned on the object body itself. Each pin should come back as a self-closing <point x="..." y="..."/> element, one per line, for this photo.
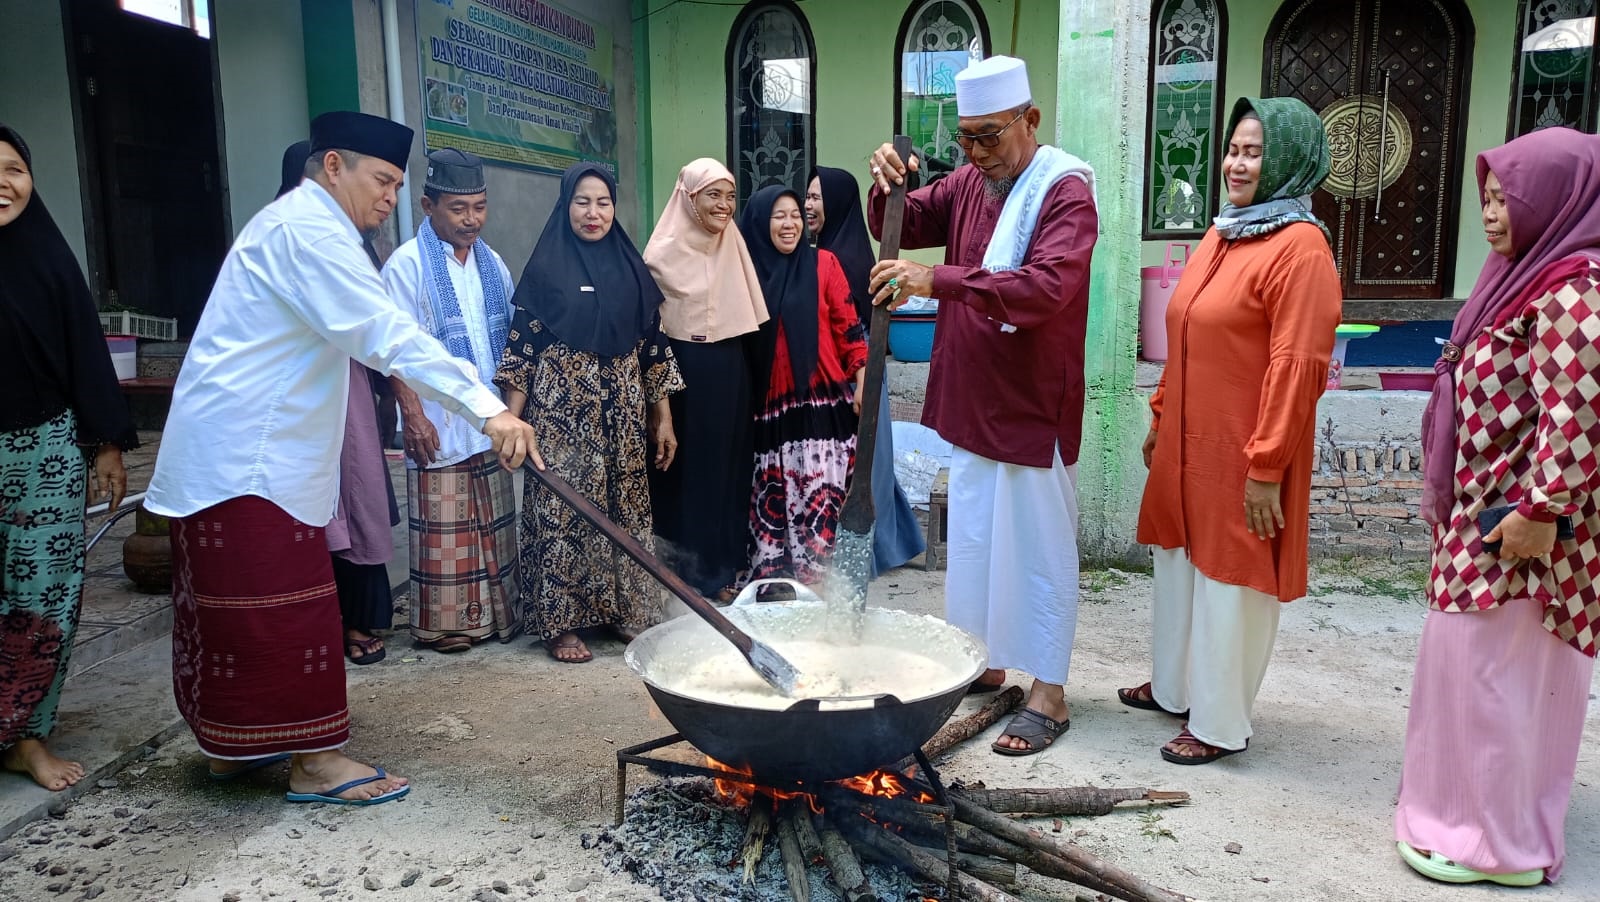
<point x="1494" y="23"/>
<point x="856" y="63"/>
<point x="332" y="79"/>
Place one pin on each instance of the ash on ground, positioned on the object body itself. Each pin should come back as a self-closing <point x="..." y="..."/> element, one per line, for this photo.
<point x="678" y="836"/>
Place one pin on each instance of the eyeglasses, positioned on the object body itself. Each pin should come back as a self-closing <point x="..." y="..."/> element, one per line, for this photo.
<point x="992" y="139"/>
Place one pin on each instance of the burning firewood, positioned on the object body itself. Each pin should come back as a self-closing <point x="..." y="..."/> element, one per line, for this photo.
<point x="806" y="831"/>
<point x="1067" y="801"/>
<point x="958" y="731"/>
<point x="791" y="811"/>
<point x="755" y="836"/>
<point x="1108" y="878"/>
<point x="844" y="867"/>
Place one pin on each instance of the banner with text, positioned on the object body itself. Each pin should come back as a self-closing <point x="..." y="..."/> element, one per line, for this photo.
<point x="517" y="81"/>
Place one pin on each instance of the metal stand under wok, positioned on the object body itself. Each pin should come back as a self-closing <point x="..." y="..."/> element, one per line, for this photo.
<point x="928" y="782"/>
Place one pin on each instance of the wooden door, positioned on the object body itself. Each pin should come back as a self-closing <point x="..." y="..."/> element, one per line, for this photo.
<point x="157" y="222"/>
<point x="1389" y="78"/>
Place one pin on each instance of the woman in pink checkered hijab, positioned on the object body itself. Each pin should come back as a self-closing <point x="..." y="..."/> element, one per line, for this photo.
<point x="1507" y="652"/>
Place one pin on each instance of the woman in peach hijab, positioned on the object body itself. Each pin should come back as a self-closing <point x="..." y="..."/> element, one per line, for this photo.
<point x="713" y="301"/>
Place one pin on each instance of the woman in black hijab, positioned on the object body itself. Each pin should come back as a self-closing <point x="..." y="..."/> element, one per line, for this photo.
<point x="833" y="212"/>
<point x="586" y="364"/>
<point x="808" y="354"/>
<point x="60" y="407"/>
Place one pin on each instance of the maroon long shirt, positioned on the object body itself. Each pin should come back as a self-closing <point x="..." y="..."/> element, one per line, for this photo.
<point x="1008" y="396"/>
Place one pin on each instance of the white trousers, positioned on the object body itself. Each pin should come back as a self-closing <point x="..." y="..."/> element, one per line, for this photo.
<point x="1012" y="572"/>
<point x="1211" y="645"/>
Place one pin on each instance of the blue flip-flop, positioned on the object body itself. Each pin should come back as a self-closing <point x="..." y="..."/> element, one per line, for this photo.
<point x="331" y="797"/>
<point x="253" y="764"/>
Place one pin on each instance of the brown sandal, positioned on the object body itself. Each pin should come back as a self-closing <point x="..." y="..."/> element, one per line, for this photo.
<point x="1144" y="698"/>
<point x="1211" y="752"/>
<point x="449" y="645"/>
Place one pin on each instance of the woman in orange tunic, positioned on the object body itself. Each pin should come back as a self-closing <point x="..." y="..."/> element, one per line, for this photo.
<point x="1226" y="506"/>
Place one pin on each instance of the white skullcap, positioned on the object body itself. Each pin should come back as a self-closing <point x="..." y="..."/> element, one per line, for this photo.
<point x="994" y="85"/>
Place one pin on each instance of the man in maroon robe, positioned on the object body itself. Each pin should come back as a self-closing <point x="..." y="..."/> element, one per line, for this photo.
<point x="1006" y="384"/>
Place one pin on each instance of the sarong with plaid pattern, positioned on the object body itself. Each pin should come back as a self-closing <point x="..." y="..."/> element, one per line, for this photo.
<point x="1529" y="412"/>
<point x="463" y="551"/>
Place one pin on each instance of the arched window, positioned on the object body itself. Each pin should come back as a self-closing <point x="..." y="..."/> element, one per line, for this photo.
<point x="938" y="38"/>
<point x="1555" y="67"/>
<point x="1185" y="130"/>
<point x="772" y="65"/>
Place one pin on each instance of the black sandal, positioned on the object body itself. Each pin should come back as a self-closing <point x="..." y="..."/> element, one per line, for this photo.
<point x="372" y="650"/>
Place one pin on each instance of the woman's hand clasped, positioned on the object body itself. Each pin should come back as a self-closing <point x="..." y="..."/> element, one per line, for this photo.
<point x="1521" y="538"/>
<point x="1263" y="515"/>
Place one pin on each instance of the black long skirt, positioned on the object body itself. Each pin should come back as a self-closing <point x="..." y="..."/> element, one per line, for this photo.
<point x="702" y="502"/>
<point x="366" y="602"/>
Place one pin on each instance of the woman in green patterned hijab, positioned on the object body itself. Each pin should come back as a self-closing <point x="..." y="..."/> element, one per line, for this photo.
<point x="1292" y="160"/>
<point x="1250" y="327"/>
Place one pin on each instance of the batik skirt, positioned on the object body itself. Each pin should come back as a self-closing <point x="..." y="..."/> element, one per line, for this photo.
<point x="41" y="546"/>
<point x="805" y="448"/>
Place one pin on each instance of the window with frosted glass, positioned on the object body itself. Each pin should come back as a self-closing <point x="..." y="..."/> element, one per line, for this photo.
<point x="938" y="38"/>
<point x="1186" y="48"/>
<point x="772" y="85"/>
<point x="1555" y="66"/>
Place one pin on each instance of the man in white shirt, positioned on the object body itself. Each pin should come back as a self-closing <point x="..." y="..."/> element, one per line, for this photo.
<point x="249" y="464"/>
<point x="462" y="503"/>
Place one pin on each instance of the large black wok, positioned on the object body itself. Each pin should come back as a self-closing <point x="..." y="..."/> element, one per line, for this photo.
<point x="809" y="740"/>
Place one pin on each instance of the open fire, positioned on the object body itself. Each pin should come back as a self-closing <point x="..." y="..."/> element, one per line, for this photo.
<point x="886" y="834"/>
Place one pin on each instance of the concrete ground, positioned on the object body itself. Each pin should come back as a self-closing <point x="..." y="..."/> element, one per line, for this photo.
<point x="513" y="758"/>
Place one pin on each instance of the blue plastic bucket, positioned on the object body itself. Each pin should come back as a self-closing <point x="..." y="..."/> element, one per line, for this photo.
<point x="911" y="338"/>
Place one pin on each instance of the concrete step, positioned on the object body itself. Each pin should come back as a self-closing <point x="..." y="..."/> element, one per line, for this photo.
<point x="109" y="715"/>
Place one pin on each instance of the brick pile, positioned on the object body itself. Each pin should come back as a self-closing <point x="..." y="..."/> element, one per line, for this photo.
<point x="1364" y="500"/>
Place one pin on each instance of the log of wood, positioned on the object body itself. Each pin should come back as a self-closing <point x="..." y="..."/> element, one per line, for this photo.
<point x="896" y="850"/>
<point x="806" y="829"/>
<point x="1067" y="801"/>
<point x="959" y="731"/>
<point x="755" y="836"/>
<point x="843" y="866"/>
<point x="794" y="861"/>
<point x="1113" y="880"/>
<point x="994" y="871"/>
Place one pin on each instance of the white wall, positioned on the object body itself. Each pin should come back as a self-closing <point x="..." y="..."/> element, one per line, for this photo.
<point x="35" y="100"/>
<point x="261" y="54"/>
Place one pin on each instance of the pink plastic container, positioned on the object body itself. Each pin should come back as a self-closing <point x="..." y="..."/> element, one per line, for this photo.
<point x="1155" y="291"/>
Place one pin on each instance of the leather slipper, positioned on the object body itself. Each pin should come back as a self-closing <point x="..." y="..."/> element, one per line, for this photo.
<point x="1188" y="738"/>
<point x="978" y="687"/>
<point x="1144" y="698"/>
<point x="1038" y="731"/>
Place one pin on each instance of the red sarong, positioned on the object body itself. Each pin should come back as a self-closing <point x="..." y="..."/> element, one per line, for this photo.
<point x="257" y="661"/>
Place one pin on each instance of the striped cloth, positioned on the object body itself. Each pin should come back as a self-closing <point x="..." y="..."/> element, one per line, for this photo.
<point x="463" y="551"/>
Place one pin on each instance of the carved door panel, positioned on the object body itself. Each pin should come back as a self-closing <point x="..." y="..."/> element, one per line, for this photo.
<point x="1389" y="78"/>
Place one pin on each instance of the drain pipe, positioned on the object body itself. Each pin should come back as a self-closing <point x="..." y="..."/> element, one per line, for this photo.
<point x="397" y="107"/>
